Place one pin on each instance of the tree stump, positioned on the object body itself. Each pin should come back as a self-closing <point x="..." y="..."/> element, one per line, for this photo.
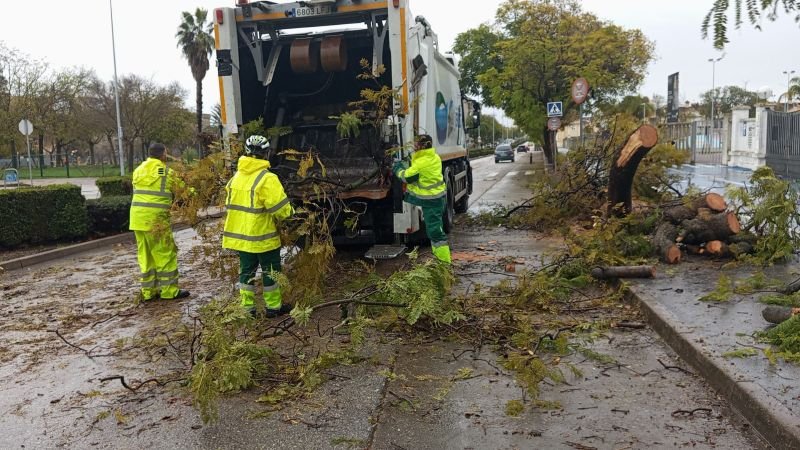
<point x="626" y="161"/>
<point x="664" y="241"/>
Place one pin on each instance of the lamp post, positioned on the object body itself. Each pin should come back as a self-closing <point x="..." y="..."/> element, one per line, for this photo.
<point x="788" y="87"/>
<point x="714" y="62"/>
<point x="116" y="94"/>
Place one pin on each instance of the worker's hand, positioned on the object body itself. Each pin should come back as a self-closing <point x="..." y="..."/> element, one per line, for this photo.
<point x="398" y="166"/>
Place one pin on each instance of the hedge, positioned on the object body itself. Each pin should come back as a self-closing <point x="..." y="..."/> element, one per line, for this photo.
<point x="114" y="186"/>
<point x="108" y="215"/>
<point x="42" y="214"/>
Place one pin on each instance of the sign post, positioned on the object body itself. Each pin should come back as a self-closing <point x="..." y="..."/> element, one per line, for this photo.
<point x="580" y="92"/>
<point x="26" y="128"/>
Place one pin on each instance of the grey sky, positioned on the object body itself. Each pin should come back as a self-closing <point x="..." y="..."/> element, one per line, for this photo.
<point x="78" y="33"/>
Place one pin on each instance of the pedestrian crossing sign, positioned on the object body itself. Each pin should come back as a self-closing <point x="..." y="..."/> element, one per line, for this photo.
<point x="555" y="109"/>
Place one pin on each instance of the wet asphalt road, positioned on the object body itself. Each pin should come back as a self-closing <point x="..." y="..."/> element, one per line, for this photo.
<point x="51" y="396"/>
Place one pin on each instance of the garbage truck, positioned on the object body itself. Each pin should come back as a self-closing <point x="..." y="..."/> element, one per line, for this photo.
<point x="301" y="67"/>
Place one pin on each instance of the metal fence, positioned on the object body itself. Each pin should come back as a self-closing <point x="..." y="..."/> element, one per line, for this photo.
<point x="783" y="143"/>
<point x="705" y="143"/>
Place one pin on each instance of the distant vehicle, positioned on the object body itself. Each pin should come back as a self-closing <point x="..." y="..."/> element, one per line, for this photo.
<point x="503" y="152"/>
<point x="522" y="149"/>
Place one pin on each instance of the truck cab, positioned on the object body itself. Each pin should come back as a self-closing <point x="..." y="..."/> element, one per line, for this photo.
<point x="301" y="67"/>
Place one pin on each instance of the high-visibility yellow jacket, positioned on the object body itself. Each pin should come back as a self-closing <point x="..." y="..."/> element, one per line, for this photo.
<point x="153" y="184"/>
<point x="424" y="178"/>
<point x="255" y="203"/>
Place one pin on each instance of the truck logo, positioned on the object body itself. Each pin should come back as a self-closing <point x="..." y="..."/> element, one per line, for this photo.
<point x="442" y="118"/>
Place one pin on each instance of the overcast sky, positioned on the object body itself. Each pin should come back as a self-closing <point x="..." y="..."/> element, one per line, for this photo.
<point x="77" y="33"/>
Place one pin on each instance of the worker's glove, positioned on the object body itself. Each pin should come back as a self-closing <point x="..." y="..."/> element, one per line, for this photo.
<point x="398" y="166"/>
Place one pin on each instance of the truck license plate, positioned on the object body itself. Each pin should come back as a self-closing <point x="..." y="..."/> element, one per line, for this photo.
<point x="313" y="11"/>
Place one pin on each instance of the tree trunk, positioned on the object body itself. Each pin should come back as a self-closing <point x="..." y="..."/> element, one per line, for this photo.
<point x="57" y="152"/>
<point x="547" y="147"/>
<point x="113" y="155"/>
<point x="91" y="153"/>
<point x="199" y="118"/>
<point x="41" y="154"/>
<point x="14" y="156"/>
<point x="604" y="273"/>
<point x="676" y="215"/>
<point x="718" y="227"/>
<point x="664" y="241"/>
<point x="623" y="169"/>
<point x="130" y="155"/>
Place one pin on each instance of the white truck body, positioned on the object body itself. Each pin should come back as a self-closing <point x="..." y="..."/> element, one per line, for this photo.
<point x="256" y="54"/>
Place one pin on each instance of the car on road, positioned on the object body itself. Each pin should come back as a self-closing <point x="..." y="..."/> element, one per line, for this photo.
<point x="503" y="152"/>
<point x="522" y="149"/>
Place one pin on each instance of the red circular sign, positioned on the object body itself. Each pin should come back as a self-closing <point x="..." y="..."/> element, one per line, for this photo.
<point x="553" y="124"/>
<point x="580" y="90"/>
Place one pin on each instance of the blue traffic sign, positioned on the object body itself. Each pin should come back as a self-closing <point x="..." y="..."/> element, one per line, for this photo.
<point x="555" y="109"/>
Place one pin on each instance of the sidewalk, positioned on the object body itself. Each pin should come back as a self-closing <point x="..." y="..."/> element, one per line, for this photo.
<point x="702" y="332"/>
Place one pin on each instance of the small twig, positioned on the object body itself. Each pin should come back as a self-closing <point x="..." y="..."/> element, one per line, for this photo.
<point x="86" y="352"/>
<point x="684" y="412"/>
<point x="137" y="387"/>
<point x="674" y="368"/>
<point x="403" y="399"/>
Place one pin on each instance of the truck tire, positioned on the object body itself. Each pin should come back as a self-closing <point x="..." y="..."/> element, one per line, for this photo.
<point x="448" y="218"/>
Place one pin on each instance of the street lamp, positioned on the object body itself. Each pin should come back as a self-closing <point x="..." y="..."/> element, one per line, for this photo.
<point x="714" y="62"/>
<point x="116" y="94"/>
<point x="788" y="87"/>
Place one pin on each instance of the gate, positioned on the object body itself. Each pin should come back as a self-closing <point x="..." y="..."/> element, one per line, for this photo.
<point x="783" y="143"/>
<point x="705" y="143"/>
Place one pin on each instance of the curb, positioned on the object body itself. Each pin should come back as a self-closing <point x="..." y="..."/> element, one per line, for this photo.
<point x="770" y="418"/>
<point x="26" y="261"/>
<point x="38" y="258"/>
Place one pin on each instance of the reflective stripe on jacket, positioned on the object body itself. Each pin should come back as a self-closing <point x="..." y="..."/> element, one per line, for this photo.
<point x="152" y="182"/>
<point x="255" y="203"/>
<point x="424" y="178"/>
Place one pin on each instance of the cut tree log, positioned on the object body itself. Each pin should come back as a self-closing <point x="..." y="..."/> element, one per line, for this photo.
<point x="694" y="249"/>
<point x="677" y="214"/>
<point x="744" y="237"/>
<point x="790" y="288"/>
<point x="664" y="241"/>
<point x="718" y="227"/>
<point x="718" y="248"/>
<point x="704" y="213"/>
<point x="740" y="248"/>
<point x="626" y="161"/>
<point x="712" y="201"/>
<point x="604" y="273"/>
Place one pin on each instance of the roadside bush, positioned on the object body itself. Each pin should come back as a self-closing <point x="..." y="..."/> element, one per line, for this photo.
<point x="114" y="186"/>
<point x="41" y="214"/>
<point x="108" y="214"/>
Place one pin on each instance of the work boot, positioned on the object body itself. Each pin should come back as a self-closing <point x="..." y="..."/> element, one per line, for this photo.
<point x="284" y="309"/>
<point x="181" y="294"/>
<point x="153" y="298"/>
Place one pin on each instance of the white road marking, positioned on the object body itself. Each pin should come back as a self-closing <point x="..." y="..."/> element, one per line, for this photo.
<point x="490" y="176"/>
<point x="529" y="172"/>
<point x="512" y="173"/>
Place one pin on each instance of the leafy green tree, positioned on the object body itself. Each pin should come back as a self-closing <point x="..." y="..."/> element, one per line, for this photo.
<point x="632" y="105"/>
<point x="794" y="88"/>
<point x="196" y="43"/>
<point x="717" y="19"/>
<point x="541" y="47"/>
<point x="726" y="98"/>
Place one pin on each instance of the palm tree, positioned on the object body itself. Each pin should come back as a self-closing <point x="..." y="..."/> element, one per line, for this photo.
<point x="794" y="88"/>
<point x="196" y="43"/>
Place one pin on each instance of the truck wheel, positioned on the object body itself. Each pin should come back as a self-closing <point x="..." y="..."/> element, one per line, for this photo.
<point x="449" y="208"/>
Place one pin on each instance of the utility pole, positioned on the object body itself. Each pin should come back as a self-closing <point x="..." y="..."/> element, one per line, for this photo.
<point x="714" y="62"/>
<point x="788" y="87"/>
<point x="116" y="94"/>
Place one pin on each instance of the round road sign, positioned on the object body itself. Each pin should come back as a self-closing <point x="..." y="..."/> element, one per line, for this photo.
<point x="553" y="124"/>
<point x="580" y="90"/>
<point x="25" y="127"/>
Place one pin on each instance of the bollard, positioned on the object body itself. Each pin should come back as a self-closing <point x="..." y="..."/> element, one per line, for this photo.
<point x="530" y="157"/>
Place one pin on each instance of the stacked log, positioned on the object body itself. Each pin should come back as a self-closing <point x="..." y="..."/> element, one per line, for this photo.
<point x="701" y="227"/>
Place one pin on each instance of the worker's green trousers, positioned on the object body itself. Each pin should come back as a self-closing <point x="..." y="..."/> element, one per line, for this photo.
<point x="432" y="213"/>
<point x="248" y="265"/>
<point x="158" y="264"/>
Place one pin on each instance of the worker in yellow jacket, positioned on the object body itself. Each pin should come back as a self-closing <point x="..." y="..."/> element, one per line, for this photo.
<point x="153" y="185"/>
<point x="428" y="190"/>
<point x="256" y="203"/>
